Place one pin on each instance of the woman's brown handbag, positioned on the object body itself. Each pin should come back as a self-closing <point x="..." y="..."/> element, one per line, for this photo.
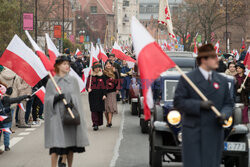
<point x="68" y="120"/>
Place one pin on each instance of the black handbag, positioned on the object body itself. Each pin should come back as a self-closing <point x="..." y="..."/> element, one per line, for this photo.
<point x="68" y="120"/>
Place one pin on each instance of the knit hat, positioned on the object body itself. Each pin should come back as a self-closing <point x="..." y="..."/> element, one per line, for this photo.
<point x="96" y="65"/>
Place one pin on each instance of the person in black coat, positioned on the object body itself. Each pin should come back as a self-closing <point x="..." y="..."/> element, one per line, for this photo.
<point x="97" y="95"/>
<point x="202" y="130"/>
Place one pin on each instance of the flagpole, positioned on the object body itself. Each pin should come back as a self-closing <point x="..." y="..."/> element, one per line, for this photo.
<point x="60" y="92"/>
<point x="243" y="84"/>
<point x="196" y="89"/>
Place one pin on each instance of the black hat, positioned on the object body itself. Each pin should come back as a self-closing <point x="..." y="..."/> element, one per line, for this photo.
<point x="241" y="66"/>
<point x="111" y="55"/>
<point x="96" y="65"/>
<point x="62" y="58"/>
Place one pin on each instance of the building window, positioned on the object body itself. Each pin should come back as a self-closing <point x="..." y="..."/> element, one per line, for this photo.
<point x="143" y="9"/>
<point x="125" y="3"/>
<point x="93" y="9"/>
<point x="149" y="9"/>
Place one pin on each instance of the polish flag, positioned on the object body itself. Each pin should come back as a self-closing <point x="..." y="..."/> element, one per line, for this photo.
<point x="78" y="52"/>
<point x="20" y="105"/>
<point x="22" y="60"/>
<point x="40" y="93"/>
<point x="85" y="75"/>
<point x="120" y="54"/>
<point x="149" y="54"/>
<point x="53" y="52"/>
<point x="6" y="130"/>
<point x="102" y="55"/>
<point x="95" y="56"/>
<point x="2" y="118"/>
<point x="247" y="59"/>
<point x="217" y="47"/>
<point x="195" y="47"/>
<point x="46" y="62"/>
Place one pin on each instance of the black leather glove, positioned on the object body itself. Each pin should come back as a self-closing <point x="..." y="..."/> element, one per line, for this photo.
<point x="69" y="105"/>
<point x="206" y="105"/>
<point x="222" y="119"/>
<point x="58" y="98"/>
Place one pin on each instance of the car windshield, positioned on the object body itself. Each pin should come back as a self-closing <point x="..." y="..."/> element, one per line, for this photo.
<point x="184" y="69"/>
<point x="169" y="87"/>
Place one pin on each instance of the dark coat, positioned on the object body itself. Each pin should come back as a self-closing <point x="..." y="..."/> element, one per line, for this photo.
<point x="98" y="87"/>
<point x="244" y="93"/>
<point x="202" y="134"/>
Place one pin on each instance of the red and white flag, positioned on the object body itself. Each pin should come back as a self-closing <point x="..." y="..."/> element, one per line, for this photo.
<point x="247" y="59"/>
<point x="217" y="47"/>
<point x="78" y="52"/>
<point x="102" y="55"/>
<point x="2" y="118"/>
<point x="149" y="54"/>
<point x="85" y="75"/>
<point x="20" y="105"/>
<point x="46" y="62"/>
<point x="6" y="130"/>
<point x="40" y="93"/>
<point x="53" y="52"/>
<point x="95" y="56"/>
<point x="117" y="50"/>
<point x="22" y="60"/>
<point x="195" y="47"/>
<point x="165" y="17"/>
<point x="167" y="46"/>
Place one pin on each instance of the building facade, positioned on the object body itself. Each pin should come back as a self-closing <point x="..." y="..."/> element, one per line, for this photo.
<point x="124" y="10"/>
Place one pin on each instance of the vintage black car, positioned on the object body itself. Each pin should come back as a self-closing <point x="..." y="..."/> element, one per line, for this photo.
<point x="186" y="62"/>
<point x="165" y="135"/>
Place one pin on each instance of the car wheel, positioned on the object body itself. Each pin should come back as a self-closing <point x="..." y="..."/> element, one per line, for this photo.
<point x="144" y="125"/>
<point x="243" y="160"/>
<point x="134" y="110"/>
<point x="155" y="157"/>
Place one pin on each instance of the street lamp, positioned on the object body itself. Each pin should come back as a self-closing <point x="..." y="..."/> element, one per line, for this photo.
<point x="227" y="44"/>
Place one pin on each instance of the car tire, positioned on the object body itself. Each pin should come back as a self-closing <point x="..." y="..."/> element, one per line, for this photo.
<point x="155" y="157"/>
<point x="243" y="160"/>
<point x="237" y="116"/>
<point x="144" y="125"/>
<point x="134" y="108"/>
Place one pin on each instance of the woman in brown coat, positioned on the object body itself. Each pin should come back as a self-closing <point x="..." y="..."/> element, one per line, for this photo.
<point x="242" y="93"/>
<point x="112" y="88"/>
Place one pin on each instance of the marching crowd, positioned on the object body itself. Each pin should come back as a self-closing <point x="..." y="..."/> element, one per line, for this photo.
<point x="25" y="110"/>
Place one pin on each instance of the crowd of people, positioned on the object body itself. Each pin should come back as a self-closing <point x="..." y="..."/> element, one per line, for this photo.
<point x="234" y="67"/>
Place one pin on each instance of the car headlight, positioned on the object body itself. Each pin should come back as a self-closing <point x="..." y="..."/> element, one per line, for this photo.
<point x="174" y="117"/>
<point x="229" y="122"/>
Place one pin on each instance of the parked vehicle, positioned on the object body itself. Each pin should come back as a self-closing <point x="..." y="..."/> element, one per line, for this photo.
<point x="165" y="135"/>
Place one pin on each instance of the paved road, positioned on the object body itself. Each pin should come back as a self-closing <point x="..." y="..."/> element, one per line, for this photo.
<point x="121" y="146"/>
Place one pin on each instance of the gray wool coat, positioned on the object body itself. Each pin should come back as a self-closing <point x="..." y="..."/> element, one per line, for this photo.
<point x="56" y="134"/>
<point x="202" y="135"/>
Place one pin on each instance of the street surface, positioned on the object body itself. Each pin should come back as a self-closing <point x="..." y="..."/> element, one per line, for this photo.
<point x="123" y="145"/>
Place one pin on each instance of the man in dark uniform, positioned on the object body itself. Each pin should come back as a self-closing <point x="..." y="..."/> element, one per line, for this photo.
<point x="203" y="133"/>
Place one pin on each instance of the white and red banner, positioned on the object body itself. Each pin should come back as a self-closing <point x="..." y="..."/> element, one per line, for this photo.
<point x="2" y="117"/>
<point x="195" y="47"/>
<point x="149" y="54"/>
<point x="40" y="93"/>
<point x="22" y="60"/>
<point x="165" y="17"/>
<point x="78" y="52"/>
<point x="53" y="52"/>
<point x="102" y="55"/>
<point x="20" y="105"/>
<point x="6" y="130"/>
<point x="217" y="47"/>
<point x="247" y="59"/>
<point x="120" y="54"/>
<point x="46" y="62"/>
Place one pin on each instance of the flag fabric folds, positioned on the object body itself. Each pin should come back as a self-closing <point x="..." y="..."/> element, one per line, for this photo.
<point x="2" y="117"/>
<point x="247" y="59"/>
<point x="165" y="17"/>
<point x="120" y="54"/>
<point x="40" y="93"/>
<point x="102" y="55"/>
<point x="22" y="60"/>
<point x="217" y="47"/>
<point x="54" y="53"/>
<point x="46" y="62"/>
<point x="152" y="61"/>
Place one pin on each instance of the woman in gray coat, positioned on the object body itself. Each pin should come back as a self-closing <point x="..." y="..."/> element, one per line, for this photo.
<point x="63" y="140"/>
